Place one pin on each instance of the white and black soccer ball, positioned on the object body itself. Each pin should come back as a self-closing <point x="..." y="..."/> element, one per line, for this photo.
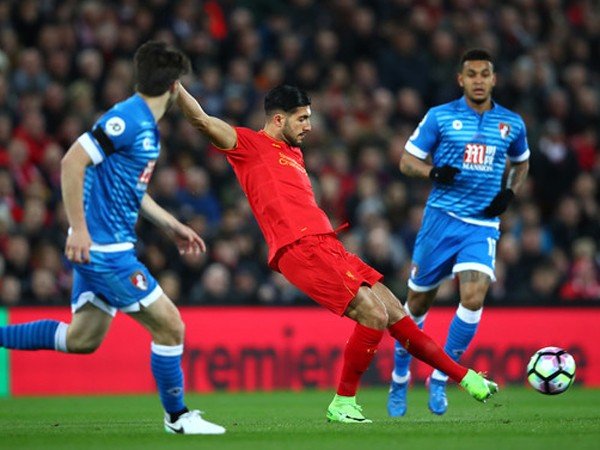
<point x="551" y="370"/>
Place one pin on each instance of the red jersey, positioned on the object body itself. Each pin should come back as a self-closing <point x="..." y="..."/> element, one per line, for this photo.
<point x="273" y="177"/>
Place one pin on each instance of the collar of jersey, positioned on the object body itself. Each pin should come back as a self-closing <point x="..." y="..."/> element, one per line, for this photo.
<point x="143" y="105"/>
<point x="464" y="105"/>
<point x="264" y="133"/>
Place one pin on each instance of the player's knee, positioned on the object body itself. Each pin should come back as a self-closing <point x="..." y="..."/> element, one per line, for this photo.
<point x="473" y="303"/>
<point x="172" y="333"/>
<point x="83" y="345"/>
<point x="377" y="317"/>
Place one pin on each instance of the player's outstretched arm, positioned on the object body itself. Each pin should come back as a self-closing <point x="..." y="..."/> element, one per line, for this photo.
<point x="73" y="165"/>
<point x="219" y="132"/>
<point x="186" y="239"/>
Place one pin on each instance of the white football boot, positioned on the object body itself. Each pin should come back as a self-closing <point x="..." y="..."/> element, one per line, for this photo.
<point x="192" y="423"/>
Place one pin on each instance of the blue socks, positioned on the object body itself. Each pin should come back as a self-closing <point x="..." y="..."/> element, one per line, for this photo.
<point x="166" y="368"/>
<point x="39" y="335"/>
<point x="460" y="334"/>
<point x="402" y="358"/>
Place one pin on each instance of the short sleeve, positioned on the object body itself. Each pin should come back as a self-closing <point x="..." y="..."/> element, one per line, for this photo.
<point x="111" y="133"/>
<point x="425" y="137"/>
<point x="519" y="148"/>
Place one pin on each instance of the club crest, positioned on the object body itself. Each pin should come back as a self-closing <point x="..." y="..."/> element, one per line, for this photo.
<point x="138" y="279"/>
<point x="504" y="129"/>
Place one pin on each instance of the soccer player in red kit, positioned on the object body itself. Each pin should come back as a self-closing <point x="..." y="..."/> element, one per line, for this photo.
<point x="304" y="248"/>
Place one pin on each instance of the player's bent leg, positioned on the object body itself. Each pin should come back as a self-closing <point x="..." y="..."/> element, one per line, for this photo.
<point x="37" y="335"/>
<point x="423" y="347"/>
<point x="162" y="319"/>
<point x="83" y="335"/>
<point x="87" y="329"/>
<point x="397" y="397"/>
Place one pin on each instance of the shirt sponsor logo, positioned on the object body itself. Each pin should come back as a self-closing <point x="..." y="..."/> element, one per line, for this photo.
<point x="115" y="126"/>
<point x="285" y="160"/>
<point x="146" y="175"/>
<point x="504" y="129"/>
<point x="479" y="157"/>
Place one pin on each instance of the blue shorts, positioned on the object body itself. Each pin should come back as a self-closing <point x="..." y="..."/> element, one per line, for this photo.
<point x="113" y="281"/>
<point x="447" y="245"/>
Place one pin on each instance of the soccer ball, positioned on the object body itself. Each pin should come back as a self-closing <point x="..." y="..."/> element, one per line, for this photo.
<point x="551" y="370"/>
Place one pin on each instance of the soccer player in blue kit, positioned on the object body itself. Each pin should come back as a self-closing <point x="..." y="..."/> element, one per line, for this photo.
<point x="468" y="141"/>
<point x="105" y="175"/>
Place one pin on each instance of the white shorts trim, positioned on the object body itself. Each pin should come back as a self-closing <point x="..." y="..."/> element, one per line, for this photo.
<point x="417" y="288"/>
<point x="483" y="223"/>
<point x="146" y="301"/>
<point x="90" y="148"/>
<point x="476" y="267"/>
<point x="89" y="297"/>
<point x="112" y="248"/>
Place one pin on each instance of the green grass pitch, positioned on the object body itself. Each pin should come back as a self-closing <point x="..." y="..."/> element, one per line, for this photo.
<point x="517" y="418"/>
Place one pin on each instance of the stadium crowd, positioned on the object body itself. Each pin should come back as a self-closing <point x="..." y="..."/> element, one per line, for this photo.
<point x="372" y="69"/>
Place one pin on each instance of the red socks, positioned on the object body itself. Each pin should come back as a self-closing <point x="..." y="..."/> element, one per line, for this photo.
<point x="421" y="346"/>
<point x="360" y="350"/>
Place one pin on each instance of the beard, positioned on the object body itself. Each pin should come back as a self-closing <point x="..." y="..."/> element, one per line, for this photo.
<point x="289" y="137"/>
<point x="479" y="100"/>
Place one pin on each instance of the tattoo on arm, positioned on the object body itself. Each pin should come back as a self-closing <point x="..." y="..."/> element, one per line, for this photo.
<point x="412" y="171"/>
<point x="517" y="176"/>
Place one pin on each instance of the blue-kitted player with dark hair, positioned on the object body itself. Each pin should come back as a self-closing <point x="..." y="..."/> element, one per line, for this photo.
<point x="462" y="146"/>
<point x="105" y="175"/>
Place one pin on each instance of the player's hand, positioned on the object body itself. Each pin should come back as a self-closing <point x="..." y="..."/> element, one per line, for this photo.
<point x="443" y="174"/>
<point x="499" y="203"/>
<point x="77" y="248"/>
<point x="186" y="239"/>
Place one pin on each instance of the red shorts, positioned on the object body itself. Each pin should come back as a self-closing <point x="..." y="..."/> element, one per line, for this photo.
<point x="321" y="267"/>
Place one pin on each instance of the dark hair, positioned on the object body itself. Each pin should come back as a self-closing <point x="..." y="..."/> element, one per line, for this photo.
<point x="157" y="66"/>
<point x="286" y="98"/>
<point x="475" y="54"/>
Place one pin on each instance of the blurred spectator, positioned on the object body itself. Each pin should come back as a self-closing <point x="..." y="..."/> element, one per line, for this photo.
<point x="170" y="282"/>
<point x="196" y="197"/>
<point x="43" y="289"/>
<point x="10" y="291"/>
<point x="555" y="161"/>
<point x="542" y="286"/>
<point x="583" y="281"/>
<point x="214" y="287"/>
